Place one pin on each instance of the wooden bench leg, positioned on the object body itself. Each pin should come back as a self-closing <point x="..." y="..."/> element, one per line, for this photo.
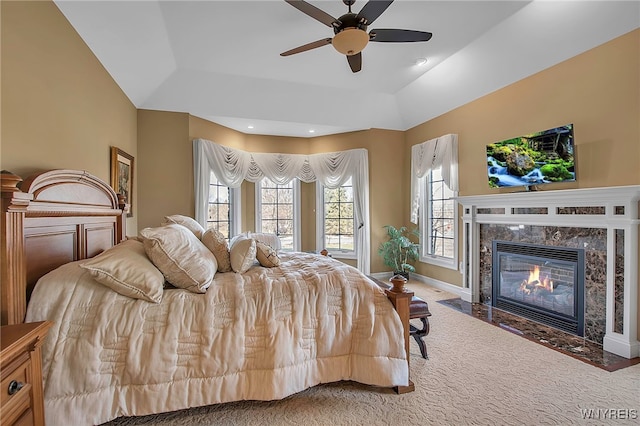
<point x="418" y="334"/>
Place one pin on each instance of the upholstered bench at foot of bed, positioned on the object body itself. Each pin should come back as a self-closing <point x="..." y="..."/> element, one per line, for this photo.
<point x="418" y="309"/>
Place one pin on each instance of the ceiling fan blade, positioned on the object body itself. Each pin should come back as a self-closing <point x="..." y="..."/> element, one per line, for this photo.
<point x="398" y="36"/>
<point x="314" y="12"/>
<point x="307" y="46"/>
<point x="372" y="10"/>
<point x="355" y="62"/>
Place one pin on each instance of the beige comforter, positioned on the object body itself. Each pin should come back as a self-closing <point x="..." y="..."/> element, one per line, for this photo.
<point x="261" y="335"/>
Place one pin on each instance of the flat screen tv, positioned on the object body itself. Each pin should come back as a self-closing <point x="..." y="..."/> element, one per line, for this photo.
<point x="530" y="160"/>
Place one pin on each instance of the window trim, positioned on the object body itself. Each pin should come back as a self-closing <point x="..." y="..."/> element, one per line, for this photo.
<point x="321" y="216"/>
<point x="236" y="214"/>
<point x="432" y="259"/>
<point x="235" y="207"/>
<point x="296" y="212"/>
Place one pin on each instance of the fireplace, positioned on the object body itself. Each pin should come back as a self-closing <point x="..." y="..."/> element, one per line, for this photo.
<point x="540" y="282"/>
<point x="602" y="223"/>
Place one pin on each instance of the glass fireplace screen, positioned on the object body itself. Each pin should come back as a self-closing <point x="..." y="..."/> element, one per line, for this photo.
<point x="544" y="283"/>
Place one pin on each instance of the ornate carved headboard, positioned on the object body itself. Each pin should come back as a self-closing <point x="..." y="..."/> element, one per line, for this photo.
<point x="50" y="219"/>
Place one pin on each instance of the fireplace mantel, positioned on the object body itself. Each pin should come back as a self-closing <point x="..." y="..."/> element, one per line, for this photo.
<point x="612" y="211"/>
<point x="583" y="196"/>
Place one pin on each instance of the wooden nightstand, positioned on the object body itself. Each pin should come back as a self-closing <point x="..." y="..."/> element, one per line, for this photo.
<point x="21" y="398"/>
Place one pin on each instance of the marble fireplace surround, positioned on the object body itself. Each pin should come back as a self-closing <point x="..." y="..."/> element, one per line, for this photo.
<point x="603" y="221"/>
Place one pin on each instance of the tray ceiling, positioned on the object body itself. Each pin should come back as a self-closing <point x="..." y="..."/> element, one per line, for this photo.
<point x="220" y="60"/>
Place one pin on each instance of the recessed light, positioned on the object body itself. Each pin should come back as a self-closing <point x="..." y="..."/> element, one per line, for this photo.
<point x="312" y="131"/>
<point x="250" y="126"/>
<point x="420" y="61"/>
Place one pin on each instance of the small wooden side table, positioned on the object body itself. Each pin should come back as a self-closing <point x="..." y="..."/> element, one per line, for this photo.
<point x="21" y="395"/>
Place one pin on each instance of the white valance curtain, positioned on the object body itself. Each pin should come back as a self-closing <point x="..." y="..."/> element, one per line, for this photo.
<point x="439" y="152"/>
<point x="232" y="166"/>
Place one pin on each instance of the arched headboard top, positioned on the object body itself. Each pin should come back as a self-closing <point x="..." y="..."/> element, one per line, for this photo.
<point x="69" y="191"/>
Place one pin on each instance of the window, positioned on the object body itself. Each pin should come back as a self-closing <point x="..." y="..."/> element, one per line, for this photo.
<point x="277" y="211"/>
<point x="439" y="220"/>
<point x="223" y="207"/>
<point x="336" y="220"/>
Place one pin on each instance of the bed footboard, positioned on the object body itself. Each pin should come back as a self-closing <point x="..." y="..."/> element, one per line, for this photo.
<point x="402" y="302"/>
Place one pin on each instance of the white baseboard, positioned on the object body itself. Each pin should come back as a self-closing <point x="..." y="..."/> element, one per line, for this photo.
<point x="618" y="345"/>
<point x="441" y="285"/>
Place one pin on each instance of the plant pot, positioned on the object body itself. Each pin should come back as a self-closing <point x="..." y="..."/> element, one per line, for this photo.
<point x="398" y="282"/>
<point x="403" y="273"/>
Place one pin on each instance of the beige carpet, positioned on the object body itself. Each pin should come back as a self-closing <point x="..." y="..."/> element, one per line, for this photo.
<point x="476" y="374"/>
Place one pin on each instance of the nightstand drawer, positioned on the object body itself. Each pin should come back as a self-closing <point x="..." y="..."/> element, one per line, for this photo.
<point x="18" y="409"/>
<point x="21" y="399"/>
<point x="26" y="419"/>
<point x="14" y="378"/>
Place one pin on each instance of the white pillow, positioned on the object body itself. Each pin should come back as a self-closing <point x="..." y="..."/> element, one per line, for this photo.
<point x="217" y="244"/>
<point x="181" y="257"/>
<point x="237" y="237"/>
<point x="186" y="221"/>
<point x="266" y="255"/>
<point x="126" y="269"/>
<point x="269" y="239"/>
<point x="243" y="254"/>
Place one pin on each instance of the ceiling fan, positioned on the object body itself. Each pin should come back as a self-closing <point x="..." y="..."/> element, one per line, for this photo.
<point x="351" y="30"/>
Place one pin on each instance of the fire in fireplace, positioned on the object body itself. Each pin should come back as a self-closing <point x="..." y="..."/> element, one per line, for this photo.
<point x="542" y="283"/>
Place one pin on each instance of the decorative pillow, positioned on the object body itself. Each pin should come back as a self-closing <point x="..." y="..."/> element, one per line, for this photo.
<point x="189" y="223"/>
<point x="266" y="255"/>
<point x="217" y="244"/>
<point x="181" y="257"/>
<point x="126" y="269"/>
<point x="243" y="254"/>
<point x="243" y="235"/>
<point x="269" y="239"/>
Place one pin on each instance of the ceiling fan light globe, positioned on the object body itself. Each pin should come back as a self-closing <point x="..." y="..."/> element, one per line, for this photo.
<point x="350" y="41"/>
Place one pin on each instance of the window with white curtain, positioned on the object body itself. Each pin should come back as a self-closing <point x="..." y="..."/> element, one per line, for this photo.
<point x="277" y="211"/>
<point x="336" y="220"/>
<point x="438" y="221"/>
<point x="223" y="207"/>
<point x="331" y="169"/>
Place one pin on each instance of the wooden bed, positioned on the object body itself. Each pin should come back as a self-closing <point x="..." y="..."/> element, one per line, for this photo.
<point x="61" y="216"/>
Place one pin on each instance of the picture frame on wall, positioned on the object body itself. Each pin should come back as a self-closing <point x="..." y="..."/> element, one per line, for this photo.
<point x="122" y="175"/>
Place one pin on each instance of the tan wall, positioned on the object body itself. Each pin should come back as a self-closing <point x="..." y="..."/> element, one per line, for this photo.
<point x="597" y="91"/>
<point x="165" y="167"/>
<point x="60" y="108"/>
<point x="276" y="144"/>
<point x="204" y="129"/>
<point x="166" y="175"/>
<point x="386" y="169"/>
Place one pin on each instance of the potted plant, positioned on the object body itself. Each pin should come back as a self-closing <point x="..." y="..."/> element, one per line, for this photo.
<point x="399" y="250"/>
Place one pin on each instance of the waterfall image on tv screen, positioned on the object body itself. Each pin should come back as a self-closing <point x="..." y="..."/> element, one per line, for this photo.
<point x="539" y="158"/>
